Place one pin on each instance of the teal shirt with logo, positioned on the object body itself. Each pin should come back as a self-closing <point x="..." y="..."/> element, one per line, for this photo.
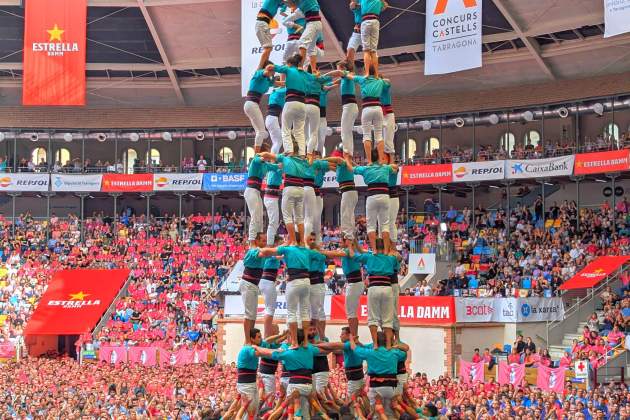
<point x="274" y="177"/>
<point x="296" y="257"/>
<point x="374" y="173"/>
<point x="377" y="264"/>
<point x="381" y="361"/>
<point x="371" y="87"/>
<point x="296" y="359"/>
<point x="277" y="97"/>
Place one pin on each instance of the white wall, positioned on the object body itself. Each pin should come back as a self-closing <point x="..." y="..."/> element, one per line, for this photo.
<point x="478" y="337"/>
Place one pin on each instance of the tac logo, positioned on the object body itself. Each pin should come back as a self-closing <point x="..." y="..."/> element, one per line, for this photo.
<point x="5" y="181"/>
<point x="440" y="7"/>
<point x="161" y="182"/>
<point x="517" y="168"/>
<point x="526" y="310"/>
<point x="55" y="47"/>
<point x="460" y="172"/>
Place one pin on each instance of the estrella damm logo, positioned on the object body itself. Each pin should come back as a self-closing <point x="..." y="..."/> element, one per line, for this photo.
<point x="55" y="47"/>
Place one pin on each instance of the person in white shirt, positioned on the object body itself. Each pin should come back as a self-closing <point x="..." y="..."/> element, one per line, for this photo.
<point x="201" y="164"/>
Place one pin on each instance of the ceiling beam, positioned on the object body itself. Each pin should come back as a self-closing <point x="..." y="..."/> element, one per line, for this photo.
<point x="331" y="38"/>
<point x="127" y="3"/>
<point x="162" y="51"/>
<point x="531" y="44"/>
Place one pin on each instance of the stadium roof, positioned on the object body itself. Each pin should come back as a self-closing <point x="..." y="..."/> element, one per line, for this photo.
<point x="155" y="53"/>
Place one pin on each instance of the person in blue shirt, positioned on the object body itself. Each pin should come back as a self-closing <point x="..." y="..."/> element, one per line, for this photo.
<point x="271" y="200"/>
<point x="256" y="173"/>
<point x="312" y="30"/>
<point x="370" y="30"/>
<point x="266" y="14"/>
<point x="247" y="368"/>
<point x="349" y="110"/>
<point x="267" y="287"/>
<point x="253" y="262"/>
<point x="259" y="84"/>
<point x="299" y="363"/>
<point x="377" y="178"/>
<point x="382" y="367"/>
<point x="380" y="268"/>
<point x="275" y="104"/>
<point x="355" y="39"/>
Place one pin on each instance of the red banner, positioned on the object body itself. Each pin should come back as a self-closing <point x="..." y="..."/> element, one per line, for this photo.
<point x="146" y="356"/>
<point x="54" y="52"/>
<point x="513" y="374"/>
<point x="127" y="183"/>
<point x="602" y="162"/>
<point x="412" y="310"/>
<point x="75" y="301"/>
<point x="7" y="351"/>
<point x="595" y="272"/>
<point x="427" y="174"/>
<point x="113" y="354"/>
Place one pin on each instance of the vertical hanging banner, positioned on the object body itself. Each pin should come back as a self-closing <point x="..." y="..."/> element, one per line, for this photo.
<point x="452" y="36"/>
<point x="250" y="45"/>
<point x="616" y="17"/>
<point x="54" y="52"/>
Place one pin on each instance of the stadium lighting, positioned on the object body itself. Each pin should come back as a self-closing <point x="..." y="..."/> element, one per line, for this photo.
<point x="493" y="119"/>
<point x="459" y="122"/>
<point x="598" y="108"/>
<point x="528" y="116"/>
<point x="67" y="137"/>
<point x="199" y="136"/>
<point x="101" y="137"/>
<point x="167" y="136"/>
<point x="232" y="135"/>
<point x="34" y="137"/>
<point x="426" y="125"/>
<point x="134" y="137"/>
<point x="563" y="112"/>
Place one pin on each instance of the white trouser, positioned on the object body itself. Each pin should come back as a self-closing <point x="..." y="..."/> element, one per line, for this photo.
<point x="396" y="296"/>
<point x="284" y="382"/>
<point x="386" y="393"/>
<point x="250" y="391"/>
<point x="275" y="132"/>
<point x="317" y="221"/>
<point x="311" y="127"/>
<point x="253" y="112"/>
<point x="310" y="211"/>
<point x="355" y="386"/>
<point x="263" y="33"/>
<point x="269" y="383"/>
<point x="380" y="306"/>
<point x="272" y="204"/>
<point x="321" y="141"/>
<point x="402" y="380"/>
<point x="349" y="114"/>
<point x="249" y="296"/>
<point x="290" y="49"/>
<point x="349" y="201"/>
<point x="353" y="294"/>
<point x="320" y="381"/>
<point x="389" y="131"/>
<point x="310" y="33"/>
<point x="305" y="392"/>
<point x="370" y="30"/>
<point x="255" y="207"/>
<point x="372" y="120"/>
<point x="293" y="118"/>
<point x="293" y="205"/>
<point x="298" y="300"/>
<point x="318" y="294"/>
<point x="394" y="206"/>
<point x="355" y="41"/>
<point x="377" y="212"/>
<point x="268" y="290"/>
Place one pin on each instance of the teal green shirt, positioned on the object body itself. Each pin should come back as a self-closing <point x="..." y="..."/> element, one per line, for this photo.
<point x="307" y="6"/>
<point x="318" y="262"/>
<point x="350" y="264"/>
<point x="323" y="98"/>
<point x="292" y="165"/>
<point x="386" y="95"/>
<point x="274" y="177"/>
<point x="347" y="87"/>
<point x="271" y="263"/>
<point x="318" y="165"/>
<point x="277" y="97"/>
<point x="377" y="264"/>
<point x="320" y="173"/>
<point x="252" y="260"/>
<point x="344" y="174"/>
<point x="374" y="173"/>
<point x="296" y="359"/>
<point x="371" y="7"/>
<point x="258" y="168"/>
<point x="350" y="357"/>
<point x="296" y="78"/>
<point x="356" y="13"/>
<point x="272" y="6"/>
<point x="393" y="179"/>
<point x="259" y="83"/>
<point x="314" y="83"/>
<point x="247" y="358"/>
<point x="381" y="361"/>
<point x="296" y="257"/>
<point x="371" y="87"/>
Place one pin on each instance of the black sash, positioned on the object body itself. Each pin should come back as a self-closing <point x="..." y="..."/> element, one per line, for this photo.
<point x="377" y="381"/>
<point x="354" y="373"/>
<point x="246" y="376"/>
<point x="379" y="281"/>
<point x="301" y="376"/>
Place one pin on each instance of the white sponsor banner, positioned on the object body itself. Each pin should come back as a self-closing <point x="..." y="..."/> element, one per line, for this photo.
<point x="422" y="263"/>
<point x="250" y="45"/>
<point x="478" y="171"/>
<point x="24" y="182"/>
<point x="234" y="306"/>
<point x="539" y="168"/>
<point x="79" y="183"/>
<point x="177" y="182"/>
<point x="533" y="309"/>
<point x="452" y="36"/>
<point x="616" y="17"/>
<point x="330" y="180"/>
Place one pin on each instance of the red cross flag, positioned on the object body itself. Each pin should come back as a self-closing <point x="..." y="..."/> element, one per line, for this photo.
<point x="581" y="369"/>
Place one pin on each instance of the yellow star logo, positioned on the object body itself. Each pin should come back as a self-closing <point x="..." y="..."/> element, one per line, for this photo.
<point x="55" y="33"/>
<point x="78" y="296"/>
<point x="600" y="270"/>
<point x="579" y="164"/>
